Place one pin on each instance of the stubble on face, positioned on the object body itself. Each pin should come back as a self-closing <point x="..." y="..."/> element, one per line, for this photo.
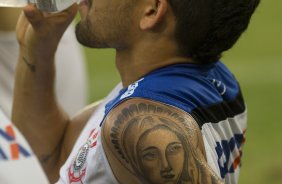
<point x="86" y="36"/>
<point x="106" y="27"/>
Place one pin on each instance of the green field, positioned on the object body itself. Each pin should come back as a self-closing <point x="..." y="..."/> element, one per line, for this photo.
<point x="256" y="60"/>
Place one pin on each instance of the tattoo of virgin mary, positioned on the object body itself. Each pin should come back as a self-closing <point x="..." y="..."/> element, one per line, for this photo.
<point x="159" y="145"/>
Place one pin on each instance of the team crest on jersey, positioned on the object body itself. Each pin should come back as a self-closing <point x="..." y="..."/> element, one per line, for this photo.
<point x="77" y="170"/>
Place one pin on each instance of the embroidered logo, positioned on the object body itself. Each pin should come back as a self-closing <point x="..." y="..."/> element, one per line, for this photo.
<point x="77" y="170"/>
<point x="130" y="89"/>
<point x="15" y="149"/>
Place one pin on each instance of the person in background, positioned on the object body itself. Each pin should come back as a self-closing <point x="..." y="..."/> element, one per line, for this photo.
<point x="18" y="164"/>
<point x="71" y="83"/>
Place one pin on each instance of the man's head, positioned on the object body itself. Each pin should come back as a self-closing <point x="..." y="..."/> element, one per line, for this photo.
<point x="201" y="29"/>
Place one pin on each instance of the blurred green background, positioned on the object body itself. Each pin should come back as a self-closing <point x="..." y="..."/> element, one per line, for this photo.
<point x="256" y="60"/>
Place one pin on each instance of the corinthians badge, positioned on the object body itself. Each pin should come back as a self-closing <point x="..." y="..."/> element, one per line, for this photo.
<point x="77" y="170"/>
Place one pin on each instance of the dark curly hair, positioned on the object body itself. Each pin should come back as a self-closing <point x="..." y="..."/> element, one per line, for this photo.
<point x="206" y="28"/>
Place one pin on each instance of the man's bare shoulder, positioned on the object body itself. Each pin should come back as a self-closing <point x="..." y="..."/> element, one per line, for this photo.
<point x="150" y="142"/>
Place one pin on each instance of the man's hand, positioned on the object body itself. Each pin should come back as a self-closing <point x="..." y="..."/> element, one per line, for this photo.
<point x="42" y="31"/>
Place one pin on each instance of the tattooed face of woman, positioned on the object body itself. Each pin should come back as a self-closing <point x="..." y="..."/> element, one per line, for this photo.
<point x="161" y="158"/>
<point x="158" y="145"/>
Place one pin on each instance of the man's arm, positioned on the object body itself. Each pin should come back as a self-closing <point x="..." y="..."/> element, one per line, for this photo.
<point x="149" y="142"/>
<point x="35" y="110"/>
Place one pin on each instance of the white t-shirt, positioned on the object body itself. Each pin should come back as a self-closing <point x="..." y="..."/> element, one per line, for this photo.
<point x="70" y="76"/>
<point x="17" y="162"/>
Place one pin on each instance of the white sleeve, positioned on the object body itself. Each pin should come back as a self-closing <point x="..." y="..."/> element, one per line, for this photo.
<point x="17" y="162"/>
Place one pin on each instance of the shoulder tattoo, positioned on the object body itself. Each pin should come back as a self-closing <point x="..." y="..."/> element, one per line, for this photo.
<point x="158" y="143"/>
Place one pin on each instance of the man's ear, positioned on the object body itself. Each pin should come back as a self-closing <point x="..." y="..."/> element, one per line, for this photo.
<point x="154" y="13"/>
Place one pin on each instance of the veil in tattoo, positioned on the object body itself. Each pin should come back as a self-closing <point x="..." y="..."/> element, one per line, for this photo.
<point x="138" y="121"/>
